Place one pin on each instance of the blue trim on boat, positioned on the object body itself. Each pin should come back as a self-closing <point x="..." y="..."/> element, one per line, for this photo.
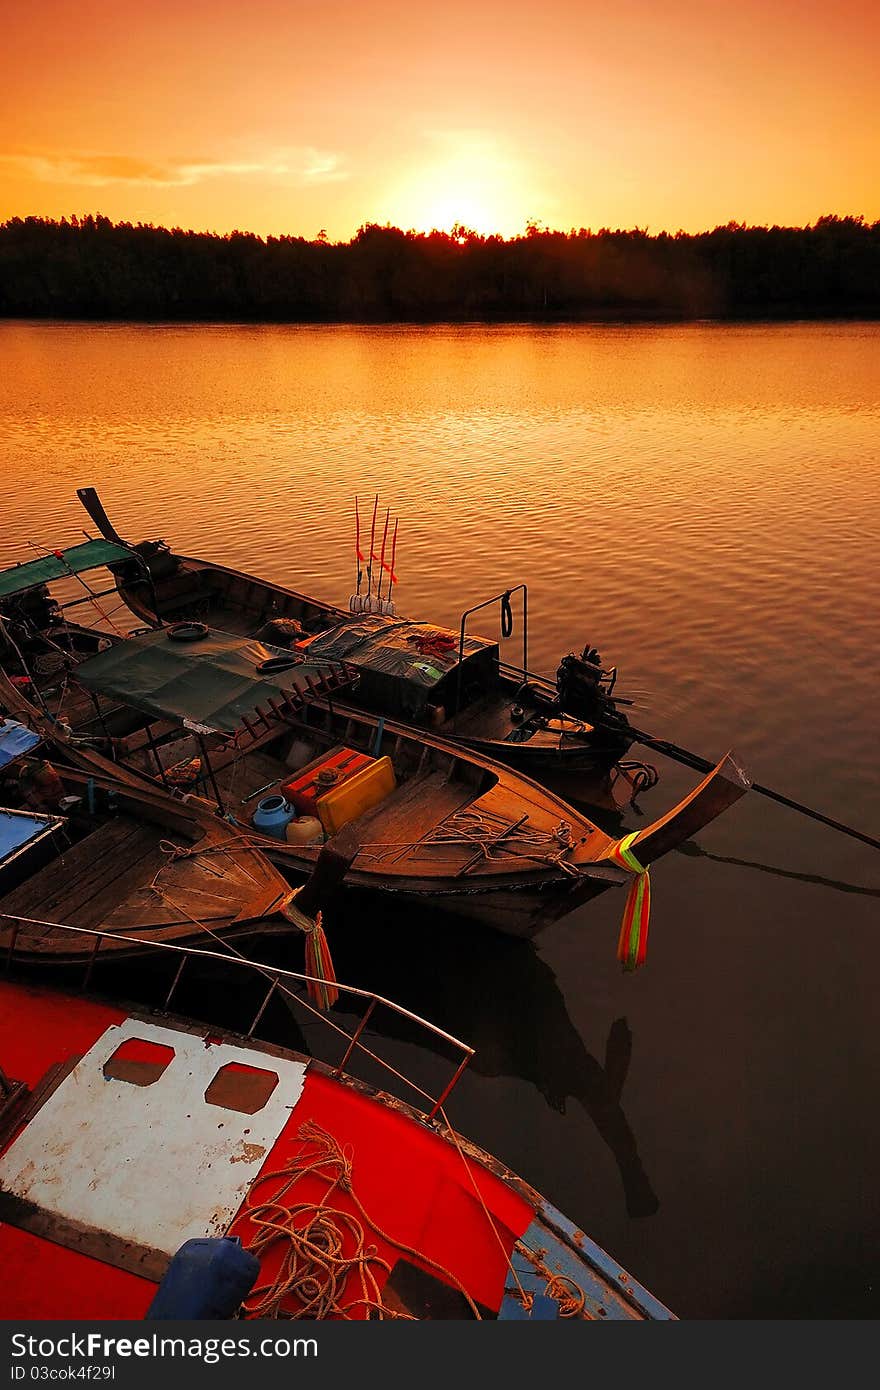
<point x="609" y="1291"/>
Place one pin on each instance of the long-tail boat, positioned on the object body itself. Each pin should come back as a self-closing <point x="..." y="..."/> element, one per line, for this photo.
<point x="231" y="719"/>
<point x="415" y="672"/>
<point x="136" y="1143"/>
<point x="86" y="851"/>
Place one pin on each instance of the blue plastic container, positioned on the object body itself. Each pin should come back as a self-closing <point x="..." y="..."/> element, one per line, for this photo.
<point x="207" y="1278"/>
<point x="272" y="816"/>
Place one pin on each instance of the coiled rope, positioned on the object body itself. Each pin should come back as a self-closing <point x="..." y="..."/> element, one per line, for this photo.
<point x="315" y="1270"/>
<point x="492" y="835"/>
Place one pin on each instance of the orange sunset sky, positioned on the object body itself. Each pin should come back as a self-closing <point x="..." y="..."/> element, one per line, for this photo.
<point x="288" y="116"/>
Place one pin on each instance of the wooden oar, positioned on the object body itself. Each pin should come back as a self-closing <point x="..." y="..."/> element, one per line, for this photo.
<point x="690" y="759"/>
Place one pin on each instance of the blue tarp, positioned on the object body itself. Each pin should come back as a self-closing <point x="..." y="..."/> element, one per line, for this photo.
<point x="15" y="739"/>
<point x="18" y="827"/>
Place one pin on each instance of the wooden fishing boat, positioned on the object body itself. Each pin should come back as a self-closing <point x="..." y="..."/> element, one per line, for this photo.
<point x="83" y="850"/>
<point x="437" y="824"/>
<point x="37" y="599"/>
<point x="415" y="672"/>
<point x="103" y="1103"/>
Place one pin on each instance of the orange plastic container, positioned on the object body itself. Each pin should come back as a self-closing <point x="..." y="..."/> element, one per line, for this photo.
<point x="303" y="790"/>
<point x="356" y="794"/>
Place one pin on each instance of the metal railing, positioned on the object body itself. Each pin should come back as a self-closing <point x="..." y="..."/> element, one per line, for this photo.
<point x="506" y="621"/>
<point x="279" y="979"/>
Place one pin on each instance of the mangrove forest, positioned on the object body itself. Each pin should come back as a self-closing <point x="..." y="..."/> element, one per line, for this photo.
<point x="91" y="267"/>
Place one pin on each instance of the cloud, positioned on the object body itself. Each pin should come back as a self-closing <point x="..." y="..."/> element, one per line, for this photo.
<point x="304" y="165"/>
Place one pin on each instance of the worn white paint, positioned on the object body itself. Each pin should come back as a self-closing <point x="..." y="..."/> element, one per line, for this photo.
<point x="152" y="1164"/>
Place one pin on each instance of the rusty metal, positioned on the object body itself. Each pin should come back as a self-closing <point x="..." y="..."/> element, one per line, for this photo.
<point x="283" y="979"/>
<point x="356" y="1035"/>
<point x="29" y="1102"/>
<point x="91" y="965"/>
<point x="244" y="1091"/>
<point x="263" y="1007"/>
<point x="86" y="1240"/>
<point x="438" y="1104"/>
<point x="111" y="1175"/>
<point x="176" y="981"/>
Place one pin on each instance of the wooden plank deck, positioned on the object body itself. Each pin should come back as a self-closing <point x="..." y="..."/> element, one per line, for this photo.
<point x="407" y="815"/>
<point x="83" y="883"/>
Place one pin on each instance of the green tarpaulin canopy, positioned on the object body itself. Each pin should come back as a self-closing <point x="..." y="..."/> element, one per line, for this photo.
<point x="90" y="555"/>
<point x="214" y="681"/>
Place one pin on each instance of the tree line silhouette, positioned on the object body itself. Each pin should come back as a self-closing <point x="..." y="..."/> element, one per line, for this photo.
<point x="91" y="267"/>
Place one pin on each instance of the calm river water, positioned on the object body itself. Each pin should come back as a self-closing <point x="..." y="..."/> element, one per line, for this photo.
<point x="699" y="502"/>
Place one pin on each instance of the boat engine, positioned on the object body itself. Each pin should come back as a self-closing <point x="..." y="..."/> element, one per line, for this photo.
<point x="24" y="617"/>
<point x="578" y="683"/>
<point x="159" y="559"/>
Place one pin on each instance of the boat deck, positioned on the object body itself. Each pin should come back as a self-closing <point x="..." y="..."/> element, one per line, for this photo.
<point x="121" y="1102"/>
<point x="412" y="811"/>
<point x="417" y="1188"/>
<point x="128" y="875"/>
<point x="84" y="884"/>
<point x="488" y="718"/>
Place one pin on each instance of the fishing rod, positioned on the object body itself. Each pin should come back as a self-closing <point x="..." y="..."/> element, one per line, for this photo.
<point x="368" y="605"/>
<point x="382" y="558"/>
<point x="393" y="577"/>
<point x="691" y="759"/>
<point x="357" y="551"/>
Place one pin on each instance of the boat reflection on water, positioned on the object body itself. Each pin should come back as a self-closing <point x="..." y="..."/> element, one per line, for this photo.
<point x="498" y="992"/>
<point x="495" y="990"/>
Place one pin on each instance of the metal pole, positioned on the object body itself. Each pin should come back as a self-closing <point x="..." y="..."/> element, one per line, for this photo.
<point x="91" y="965"/>
<point x="449" y="1089"/>
<point x="176" y="981"/>
<point x="506" y="593"/>
<point x="353" y="1044"/>
<point x="217" y="795"/>
<point x="262" y="1009"/>
<point x="155" y="752"/>
<point x="94" y="699"/>
<point x="11" y="949"/>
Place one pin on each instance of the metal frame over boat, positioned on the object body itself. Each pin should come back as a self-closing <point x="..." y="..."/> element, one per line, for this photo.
<point x="102" y="1103"/>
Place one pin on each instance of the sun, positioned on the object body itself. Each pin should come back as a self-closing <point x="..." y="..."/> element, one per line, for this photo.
<point x="469" y="181"/>
<point x="443" y="208"/>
